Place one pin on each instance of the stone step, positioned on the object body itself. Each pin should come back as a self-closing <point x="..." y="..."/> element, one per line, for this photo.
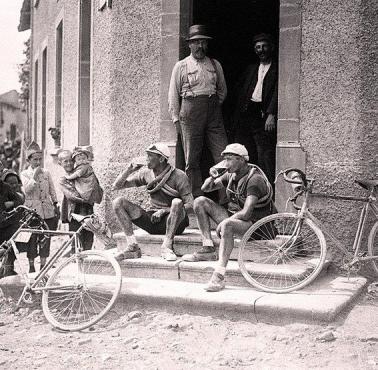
<point x="153" y="267"/>
<point x="322" y="301"/>
<point x="188" y="242"/>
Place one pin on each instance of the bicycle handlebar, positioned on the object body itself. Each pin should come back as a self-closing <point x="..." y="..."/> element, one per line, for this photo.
<point x="297" y="173"/>
<point x="25" y="210"/>
<point x="299" y="182"/>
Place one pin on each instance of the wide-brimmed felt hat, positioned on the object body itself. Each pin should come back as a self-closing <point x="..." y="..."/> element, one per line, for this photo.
<point x="32" y="149"/>
<point x="198" y="32"/>
<point x="159" y="148"/>
<point x="262" y="37"/>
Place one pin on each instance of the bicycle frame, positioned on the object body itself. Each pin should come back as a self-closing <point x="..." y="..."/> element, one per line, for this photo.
<point x="366" y="210"/>
<point x="32" y="285"/>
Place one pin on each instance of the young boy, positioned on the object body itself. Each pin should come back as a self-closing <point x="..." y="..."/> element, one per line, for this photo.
<point x="40" y="195"/>
<point x="85" y="180"/>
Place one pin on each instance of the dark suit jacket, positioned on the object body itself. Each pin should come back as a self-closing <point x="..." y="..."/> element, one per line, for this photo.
<point x="7" y="194"/>
<point x="246" y="86"/>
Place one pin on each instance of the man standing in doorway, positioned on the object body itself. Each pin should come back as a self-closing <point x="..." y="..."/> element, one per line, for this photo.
<point x="255" y="115"/>
<point x="196" y="93"/>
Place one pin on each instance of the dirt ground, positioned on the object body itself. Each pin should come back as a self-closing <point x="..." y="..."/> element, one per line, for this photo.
<point x="139" y="337"/>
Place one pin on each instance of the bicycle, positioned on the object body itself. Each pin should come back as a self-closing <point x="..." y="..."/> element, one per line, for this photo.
<point x="74" y="297"/>
<point x="285" y="252"/>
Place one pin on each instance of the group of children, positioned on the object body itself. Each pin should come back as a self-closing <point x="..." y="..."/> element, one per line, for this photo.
<point x="37" y="190"/>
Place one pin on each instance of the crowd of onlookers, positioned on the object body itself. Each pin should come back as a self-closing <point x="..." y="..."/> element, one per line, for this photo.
<point x="10" y="152"/>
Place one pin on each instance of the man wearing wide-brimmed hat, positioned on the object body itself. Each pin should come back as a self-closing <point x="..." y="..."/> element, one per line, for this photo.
<point x="196" y="92"/>
<point x="255" y="115"/>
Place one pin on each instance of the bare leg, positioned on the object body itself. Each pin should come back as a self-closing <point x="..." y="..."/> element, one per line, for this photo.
<point x="229" y="229"/>
<point x="176" y="215"/>
<point x="126" y="211"/>
<point x="205" y="209"/>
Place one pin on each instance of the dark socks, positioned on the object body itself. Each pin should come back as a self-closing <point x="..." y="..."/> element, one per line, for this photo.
<point x="31" y="267"/>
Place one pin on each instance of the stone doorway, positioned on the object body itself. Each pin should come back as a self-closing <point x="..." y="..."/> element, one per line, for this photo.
<point x="233" y="23"/>
<point x="232" y="20"/>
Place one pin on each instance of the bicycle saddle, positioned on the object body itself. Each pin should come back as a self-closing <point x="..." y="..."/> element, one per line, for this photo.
<point x="367" y="184"/>
<point x="79" y="218"/>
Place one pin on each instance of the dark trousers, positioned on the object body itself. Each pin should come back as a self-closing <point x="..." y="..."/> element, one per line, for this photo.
<point x="201" y="123"/>
<point x="44" y="247"/>
<point x="85" y="236"/>
<point x="261" y="144"/>
<point x="33" y="248"/>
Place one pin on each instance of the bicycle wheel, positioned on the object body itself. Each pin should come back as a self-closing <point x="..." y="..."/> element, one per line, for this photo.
<point x="81" y="290"/>
<point x="373" y="245"/>
<point x="282" y="253"/>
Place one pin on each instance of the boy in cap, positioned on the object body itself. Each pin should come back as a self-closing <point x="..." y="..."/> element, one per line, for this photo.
<point x="83" y="176"/>
<point x="170" y="198"/>
<point x="40" y="195"/>
<point x="249" y="196"/>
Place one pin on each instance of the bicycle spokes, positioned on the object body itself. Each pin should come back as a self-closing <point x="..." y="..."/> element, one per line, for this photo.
<point x="281" y="252"/>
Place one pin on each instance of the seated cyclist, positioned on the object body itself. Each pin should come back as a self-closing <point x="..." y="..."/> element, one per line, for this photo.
<point x="249" y="196"/>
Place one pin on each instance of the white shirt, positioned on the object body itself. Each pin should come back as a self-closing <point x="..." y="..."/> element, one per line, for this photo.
<point x="39" y="194"/>
<point x="192" y="77"/>
<point x="257" y="93"/>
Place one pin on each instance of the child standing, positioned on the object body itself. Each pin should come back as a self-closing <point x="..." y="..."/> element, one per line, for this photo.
<point x="40" y="195"/>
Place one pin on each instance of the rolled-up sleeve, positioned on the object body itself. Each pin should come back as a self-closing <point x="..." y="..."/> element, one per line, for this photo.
<point x="174" y="93"/>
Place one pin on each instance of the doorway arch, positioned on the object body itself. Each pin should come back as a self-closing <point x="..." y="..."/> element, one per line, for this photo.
<point x="177" y="16"/>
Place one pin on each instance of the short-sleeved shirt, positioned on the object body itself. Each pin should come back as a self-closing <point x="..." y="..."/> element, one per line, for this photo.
<point x="159" y="199"/>
<point x="255" y="185"/>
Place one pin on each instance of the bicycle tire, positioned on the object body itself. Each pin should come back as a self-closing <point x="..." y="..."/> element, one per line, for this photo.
<point x="373" y="245"/>
<point x="273" y="260"/>
<point x="92" y="297"/>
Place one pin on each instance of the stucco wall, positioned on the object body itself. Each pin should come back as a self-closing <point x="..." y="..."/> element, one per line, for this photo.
<point x="337" y="90"/>
<point x="338" y="112"/>
<point x="126" y="82"/>
<point x="44" y="21"/>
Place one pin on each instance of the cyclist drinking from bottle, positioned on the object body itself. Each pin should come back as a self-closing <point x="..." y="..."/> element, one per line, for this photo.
<point x="249" y="196"/>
